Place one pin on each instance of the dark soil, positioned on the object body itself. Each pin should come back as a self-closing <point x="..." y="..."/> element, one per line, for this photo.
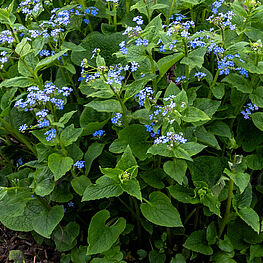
<point x="33" y="252"/>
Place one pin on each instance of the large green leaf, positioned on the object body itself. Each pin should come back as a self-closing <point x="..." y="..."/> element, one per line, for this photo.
<point x="257" y="119"/>
<point x="136" y="137"/>
<point x="43" y="182"/>
<point x="94" y="151"/>
<point x="109" y="105"/>
<point x="240" y="179"/>
<point x="160" y="211"/>
<point x="100" y="236"/>
<point x="20" y="82"/>
<point x="59" y="165"/>
<point x="197" y="243"/>
<point x="195" y="58"/>
<point x="250" y="217"/>
<point x="70" y="135"/>
<point x="80" y="183"/>
<point x="47" y="220"/>
<point x="65" y="238"/>
<point x="105" y="187"/>
<point x="176" y="169"/>
<point x="192" y="114"/>
<point x="127" y="160"/>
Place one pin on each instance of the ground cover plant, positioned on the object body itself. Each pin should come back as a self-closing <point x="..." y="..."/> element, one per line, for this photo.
<point x="132" y="131"/>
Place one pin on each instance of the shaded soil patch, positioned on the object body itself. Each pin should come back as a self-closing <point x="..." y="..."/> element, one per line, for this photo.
<point x="33" y="252"/>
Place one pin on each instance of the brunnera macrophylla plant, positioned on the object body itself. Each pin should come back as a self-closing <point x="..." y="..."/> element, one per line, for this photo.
<point x="132" y="131"/>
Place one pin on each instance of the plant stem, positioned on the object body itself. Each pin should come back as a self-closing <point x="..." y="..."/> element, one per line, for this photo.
<point x="115" y="16"/>
<point x="138" y="221"/>
<point x="170" y="12"/>
<point x="128" y="6"/>
<point x="189" y="216"/>
<point x="228" y="208"/>
<point x="154" y="81"/>
<point x="187" y="69"/>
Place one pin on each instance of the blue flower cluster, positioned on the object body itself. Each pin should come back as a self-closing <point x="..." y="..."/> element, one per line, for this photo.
<point x="3" y="59"/>
<point x="6" y="36"/>
<point x="23" y="127"/>
<point x="113" y="1"/>
<point x="171" y="139"/>
<point x="177" y="27"/>
<point x="138" y="20"/>
<point x="115" y="74"/>
<point x="79" y="164"/>
<point x="227" y="63"/>
<point x="216" y="5"/>
<point x="116" y="119"/>
<point x="200" y="75"/>
<point x="98" y="133"/>
<point x="223" y="20"/>
<point x="123" y="49"/>
<point x="147" y="92"/>
<point x="30" y="7"/>
<point x="248" y="109"/>
<point x="36" y="97"/>
<point x="140" y="42"/>
<point x="51" y="134"/>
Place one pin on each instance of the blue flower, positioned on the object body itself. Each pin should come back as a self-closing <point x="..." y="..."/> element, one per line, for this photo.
<point x="79" y="164"/>
<point x="51" y="134"/>
<point x="98" y="133"/>
<point x="23" y="127"/>
<point x="116" y="119"/>
<point x="43" y="123"/>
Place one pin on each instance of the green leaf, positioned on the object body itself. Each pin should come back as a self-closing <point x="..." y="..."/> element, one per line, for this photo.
<point x="160" y="211"/>
<point x="183" y="194"/>
<point x="238" y="82"/>
<point x="137" y="85"/>
<point x="14" y="201"/>
<point x="207" y="169"/>
<point x="43" y="182"/>
<point x="256" y="251"/>
<point x="22" y="222"/>
<point x="176" y="169"/>
<point x="156" y="257"/>
<point x="72" y="46"/>
<point x="249" y="215"/>
<point x="212" y="203"/>
<point x="153" y="177"/>
<point x="165" y="63"/>
<point x="240" y="179"/>
<point x="110" y="105"/>
<point x="70" y="135"/>
<point x="257" y="119"/>
<point x="49" y="60"/>
<point x="17" y="256"/>
<point x="257" y="96"/>
<point x="20" y="82"/>
<point x="195" y="58"/>
<point x="93" y="152"/>
<point x="61" y="193"/>
<point x="23" y="48"/>
<point x="80" y="183"/>
<point x="59" y="165"/>
<point x="65" y="238"/>
<point x="192" y="114"/>
<point x="105" y="187"/>
<point x="67" y="117"/>
<point x="211" y="233"/>
<point x="100" y="236"/>
<point x="192" y="148"/>
<point x="197" y="242"/>
<point x="220" y="128"/>
<point x="46" y="221"/>
<point x="132" y="187"/>
<point x="162" y="150"/>
<point x="205" y="137"/>
<point x="127" y="160"/>
<point x="136" y="137"/>
<point x="255" y="161"/>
